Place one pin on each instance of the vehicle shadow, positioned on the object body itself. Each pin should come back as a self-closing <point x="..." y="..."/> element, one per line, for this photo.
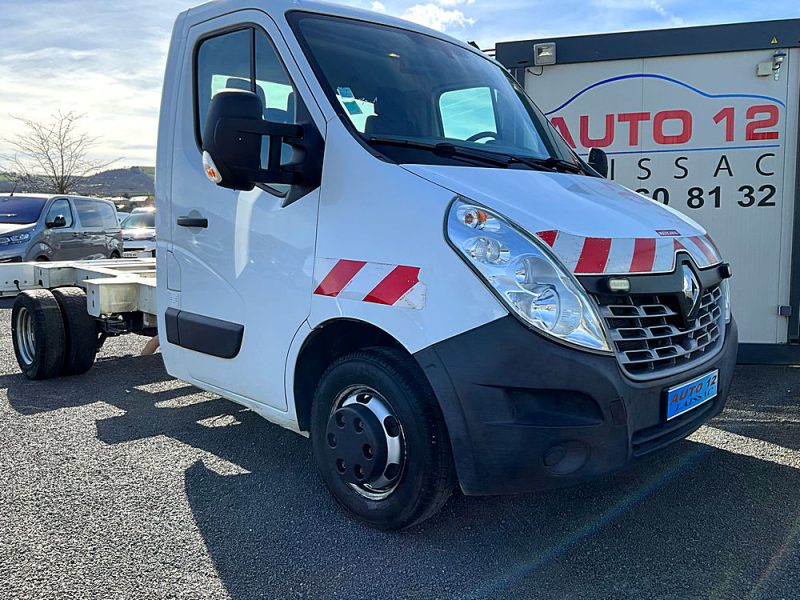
<point x="111" y="377"/>
<point x="692" y="521"/>
<point x="671" y="527"/>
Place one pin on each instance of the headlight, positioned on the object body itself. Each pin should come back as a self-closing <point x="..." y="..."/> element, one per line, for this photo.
<point x="17" y="238"/>
<point x="526" y="276"/>
<point x="725" y="287"/>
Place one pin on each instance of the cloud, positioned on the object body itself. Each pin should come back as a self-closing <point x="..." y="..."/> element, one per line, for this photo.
<point x="378" y="7"/>
<point x="436" y="17"/>
<point x="639" y="9"/>
<point x="454" y="2"/>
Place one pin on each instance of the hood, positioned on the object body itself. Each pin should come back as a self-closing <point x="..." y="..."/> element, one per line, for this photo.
<point x="138" y="233"/>
<point x="595" y="226"/>
<point x="9" y="228"/>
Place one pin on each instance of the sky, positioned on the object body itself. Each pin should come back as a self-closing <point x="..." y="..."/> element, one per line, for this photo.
<point x="105" y="59"/>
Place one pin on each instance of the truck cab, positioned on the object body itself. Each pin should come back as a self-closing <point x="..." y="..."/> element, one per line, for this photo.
<point x="369" y="234"/>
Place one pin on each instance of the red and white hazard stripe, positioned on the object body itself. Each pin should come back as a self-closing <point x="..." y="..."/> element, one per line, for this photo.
<point x="620" y="256"/>
<point x="376" y="283"/>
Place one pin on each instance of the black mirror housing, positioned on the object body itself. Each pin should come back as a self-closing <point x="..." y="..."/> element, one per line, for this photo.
<point x="232" y="138"/>
<point x="598" y="160"/>
<point x="58" y="221"/>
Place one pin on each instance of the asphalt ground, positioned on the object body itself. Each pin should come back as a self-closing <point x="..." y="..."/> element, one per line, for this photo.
<point x="125" y="483"/>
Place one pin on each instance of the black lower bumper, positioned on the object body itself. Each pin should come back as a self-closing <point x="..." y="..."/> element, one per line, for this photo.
<point x="525" y="413"/>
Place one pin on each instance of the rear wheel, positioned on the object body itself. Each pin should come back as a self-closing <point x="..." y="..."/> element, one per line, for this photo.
<point x="380" y="441"/>
<point x="37" y="331"/>
<point x="80" y="331"/>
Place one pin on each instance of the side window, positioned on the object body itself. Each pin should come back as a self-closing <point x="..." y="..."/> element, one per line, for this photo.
<point x="89" y="213"/>
<point x="226" y="61"/>
<point x="222" y="62"/>
<point x="467" y="113"/>
<point x="109" y="215"/>
<point x="272" y="83"/>
<point x="60" y="208"/>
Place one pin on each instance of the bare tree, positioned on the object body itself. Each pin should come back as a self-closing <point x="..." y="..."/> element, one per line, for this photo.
<point x="54" y="153"/>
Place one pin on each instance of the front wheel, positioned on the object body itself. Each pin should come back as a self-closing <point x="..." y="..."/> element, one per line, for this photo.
<point x="380" y="441"/>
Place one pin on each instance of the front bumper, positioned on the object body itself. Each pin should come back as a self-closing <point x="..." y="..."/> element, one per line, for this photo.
<point x="525" y="413"/>
<point x="12" y="253"/>
<point x="139" y="248"/>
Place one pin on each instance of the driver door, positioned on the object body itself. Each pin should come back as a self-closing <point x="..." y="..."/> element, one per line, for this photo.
<point x="239" y="264"/>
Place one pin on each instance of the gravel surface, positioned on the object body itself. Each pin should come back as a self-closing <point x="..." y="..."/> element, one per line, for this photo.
<point x="125" y="483"/>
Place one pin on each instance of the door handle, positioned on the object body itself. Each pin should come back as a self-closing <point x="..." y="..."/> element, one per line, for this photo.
<point x="200" y="222"/>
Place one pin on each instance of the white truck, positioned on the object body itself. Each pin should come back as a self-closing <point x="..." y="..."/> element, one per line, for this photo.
<point x="369" y="234"/>
<point x="706" y="120"/>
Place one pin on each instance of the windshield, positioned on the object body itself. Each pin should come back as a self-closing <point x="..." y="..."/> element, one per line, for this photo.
<point x="20" y="210"/>
<point x="139" y="220"/>
<point x="392" y="83"/>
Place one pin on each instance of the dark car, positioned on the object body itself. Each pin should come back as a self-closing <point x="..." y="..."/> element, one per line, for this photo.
<point x="58" y="227"/>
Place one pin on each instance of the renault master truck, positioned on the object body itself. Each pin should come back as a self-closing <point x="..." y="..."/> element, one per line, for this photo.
<point x="369" y="234"/>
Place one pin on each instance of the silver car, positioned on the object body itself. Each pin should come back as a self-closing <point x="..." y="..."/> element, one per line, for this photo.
<point x="57" y="227"/>
<point x="139" y="233"/>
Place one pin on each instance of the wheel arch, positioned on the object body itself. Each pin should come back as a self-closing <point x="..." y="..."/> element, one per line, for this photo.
<point x="323" y="345"/>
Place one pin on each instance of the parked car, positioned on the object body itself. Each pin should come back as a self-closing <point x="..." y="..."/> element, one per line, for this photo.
<point x="121" y="216"/>
<point x="139" y="234"/>
<point x="45" y="227"/>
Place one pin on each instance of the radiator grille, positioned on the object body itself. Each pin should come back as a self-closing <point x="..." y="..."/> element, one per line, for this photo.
<point x="650" y="336"/>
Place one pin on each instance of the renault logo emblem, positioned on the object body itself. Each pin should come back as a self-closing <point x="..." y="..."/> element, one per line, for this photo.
<point x="691" y="290"/>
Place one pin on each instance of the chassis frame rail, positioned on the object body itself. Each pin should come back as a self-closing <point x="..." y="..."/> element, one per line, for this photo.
<point x="112" y="286"/>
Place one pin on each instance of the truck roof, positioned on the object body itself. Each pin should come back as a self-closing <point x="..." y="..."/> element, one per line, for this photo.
<point x="277" y="7"/>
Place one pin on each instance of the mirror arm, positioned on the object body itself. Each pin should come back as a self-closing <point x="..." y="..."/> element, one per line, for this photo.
<point x="282" y="133"/>
<point x="292" y="134"/>
<point x="273" y="176"/>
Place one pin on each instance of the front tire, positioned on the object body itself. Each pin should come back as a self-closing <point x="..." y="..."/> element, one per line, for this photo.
<point x="37" y="330"/>
<point x="380" y="441"/>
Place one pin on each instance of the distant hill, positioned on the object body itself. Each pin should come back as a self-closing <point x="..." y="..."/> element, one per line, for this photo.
<point x="133" y="181"/>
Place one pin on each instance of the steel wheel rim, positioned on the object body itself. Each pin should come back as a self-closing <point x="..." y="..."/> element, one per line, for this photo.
<point x="26" y="338"/>
<point x="369" y="397"/>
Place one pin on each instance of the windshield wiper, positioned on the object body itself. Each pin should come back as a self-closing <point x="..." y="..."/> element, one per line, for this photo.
<point x="552" y="164"/>
<point x="449" y="150"/>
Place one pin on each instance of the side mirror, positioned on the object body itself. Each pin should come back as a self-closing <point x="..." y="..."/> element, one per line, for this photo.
<point x="58" y="221"/>
<point x="232" y="145"/>
<point x="598" y="160"/>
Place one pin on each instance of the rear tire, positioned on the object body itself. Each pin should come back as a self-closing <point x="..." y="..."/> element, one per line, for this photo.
<point x="374" y="401"/>
<point x="37" y="330"/>
<point x="80" y="331"/>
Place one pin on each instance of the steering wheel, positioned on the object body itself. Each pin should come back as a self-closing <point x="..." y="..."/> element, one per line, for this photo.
<point x="481" y="135"/>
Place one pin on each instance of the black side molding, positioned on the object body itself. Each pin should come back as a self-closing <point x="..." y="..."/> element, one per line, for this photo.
<point x="204" y="334"/>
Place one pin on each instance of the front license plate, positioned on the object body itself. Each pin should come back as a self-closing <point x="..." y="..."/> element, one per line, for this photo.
<point x="687" y="396"/>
